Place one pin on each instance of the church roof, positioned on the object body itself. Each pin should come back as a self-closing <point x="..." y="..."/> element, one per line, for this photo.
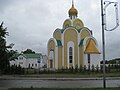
<point x="91" y="48"/>
<point x="59" y="43"/>
<point x="81" y="42"/>
<point x="62" y="30"/>
<point x="73" y="11"/>
<point x="79" y="30"/>
<point x="36" y="55"/>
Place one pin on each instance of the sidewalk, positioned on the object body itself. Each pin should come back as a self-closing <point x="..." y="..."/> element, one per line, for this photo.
<point x="39" y="77"/>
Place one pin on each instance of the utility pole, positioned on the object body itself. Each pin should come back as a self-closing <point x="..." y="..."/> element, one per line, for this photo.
<point x="104" y="5"/>
<point x="103" y="44"/>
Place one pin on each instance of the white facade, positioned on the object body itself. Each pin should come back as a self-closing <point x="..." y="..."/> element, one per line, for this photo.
<point x="29" y="62"/>
<point x="44" y="61"/>
<point x="94" y="60"/>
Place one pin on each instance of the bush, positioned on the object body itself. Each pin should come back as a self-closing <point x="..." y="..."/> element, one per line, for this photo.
<point x="97" y="69"/>
<point x="93" y="68"/>
<point x="85" y="68"/>
<point x="15" y="70"/>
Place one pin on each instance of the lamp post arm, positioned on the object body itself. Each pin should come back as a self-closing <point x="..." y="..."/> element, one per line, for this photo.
<point x="106" y="4"/>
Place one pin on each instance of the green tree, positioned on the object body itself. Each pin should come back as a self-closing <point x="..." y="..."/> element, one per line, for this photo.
<point x="109" y="68"/>
<point x="3" y="48"/>
<point x="4" y="52"/>
<point x="80" y="68"/>
<point x="76" y="68"/>
<point x="93" y="68"/>
<point x="97" y="68"/>
<point x="84" y="68"/>
<point x="101" y="68"/>
<point x="29" y="51"/>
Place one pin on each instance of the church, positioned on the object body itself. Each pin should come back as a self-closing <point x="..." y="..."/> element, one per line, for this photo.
<point x="73" y="45"/>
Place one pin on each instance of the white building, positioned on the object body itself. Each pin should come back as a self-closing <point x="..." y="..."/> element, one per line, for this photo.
<point x="29" y="60"/>
<point x="45" y="58"/>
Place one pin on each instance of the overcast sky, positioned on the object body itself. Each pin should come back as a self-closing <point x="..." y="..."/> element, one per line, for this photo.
<point x="31" y="23"/>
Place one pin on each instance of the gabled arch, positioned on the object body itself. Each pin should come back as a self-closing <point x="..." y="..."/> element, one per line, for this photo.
<point x="67" y="22"/>
<point x="66" y="37"/>
<point x="86" y="34"/>
<point x="52" y="39"/>
<point x="57" y="34"/>
<point x="86" y="39"/>
<point x="77" y="23"/>
<point x="69" y="29"/>
<point x="55" y="53"/>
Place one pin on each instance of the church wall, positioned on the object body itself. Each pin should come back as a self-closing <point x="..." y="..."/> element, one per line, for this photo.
<point x="59" y="57"/>
<point x="81" y="55"/>
<point x="51" y="45"/>
<point x="94" y="60"/>
<point x="70" y="35"/>
<point x="85" y="60"/>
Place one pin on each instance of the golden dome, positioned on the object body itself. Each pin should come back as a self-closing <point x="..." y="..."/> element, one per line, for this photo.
<point x="73" y="11"/>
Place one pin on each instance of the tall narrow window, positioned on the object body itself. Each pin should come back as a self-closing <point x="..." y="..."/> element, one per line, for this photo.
<point x="70" y="55"/>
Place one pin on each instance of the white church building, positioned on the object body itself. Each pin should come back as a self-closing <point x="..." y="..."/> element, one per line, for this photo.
<point x="34" y="61"/>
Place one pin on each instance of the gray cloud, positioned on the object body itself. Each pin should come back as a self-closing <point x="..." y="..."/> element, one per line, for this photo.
<point x="4" y="4"/>
<point x="31" y="23"/>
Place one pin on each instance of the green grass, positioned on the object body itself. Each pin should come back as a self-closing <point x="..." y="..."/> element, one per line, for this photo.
<point x="63" y="89"/>
<point x="78" y="75"/>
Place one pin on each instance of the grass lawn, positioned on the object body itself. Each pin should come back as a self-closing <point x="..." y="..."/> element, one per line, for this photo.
<point x="63" y="89"/>
<point x="70" y="75"/>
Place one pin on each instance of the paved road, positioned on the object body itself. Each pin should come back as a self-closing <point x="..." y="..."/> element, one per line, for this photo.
<point x="61" y="83"/>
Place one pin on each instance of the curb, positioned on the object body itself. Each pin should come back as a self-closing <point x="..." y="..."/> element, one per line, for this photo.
<point x="60" y="79"/>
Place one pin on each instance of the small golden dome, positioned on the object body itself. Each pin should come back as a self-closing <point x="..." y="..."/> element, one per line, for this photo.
<point x="73" y="11"/>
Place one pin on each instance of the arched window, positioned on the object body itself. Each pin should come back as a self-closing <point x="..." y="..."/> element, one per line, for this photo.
<point x="70" y="55"/>
<point x="67" y="25"/>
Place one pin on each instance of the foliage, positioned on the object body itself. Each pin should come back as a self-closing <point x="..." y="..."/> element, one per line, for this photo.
<point x="97" y="68"/>
<point x="81" y="70"/>
<point x="93" y="68"/>
<point x="15" y="70"/>
<point x="5" y="54"/>
<point x="84" y="68"/>
<point x="29" y="51"/>
<point x="76" y="68"/>
<point x="4" y="63"/>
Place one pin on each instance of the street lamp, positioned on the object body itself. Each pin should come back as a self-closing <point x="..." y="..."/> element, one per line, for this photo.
<point x="104" y="27"/>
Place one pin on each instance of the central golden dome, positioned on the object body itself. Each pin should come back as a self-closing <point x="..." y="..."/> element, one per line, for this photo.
<point x="73" y="11"/>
